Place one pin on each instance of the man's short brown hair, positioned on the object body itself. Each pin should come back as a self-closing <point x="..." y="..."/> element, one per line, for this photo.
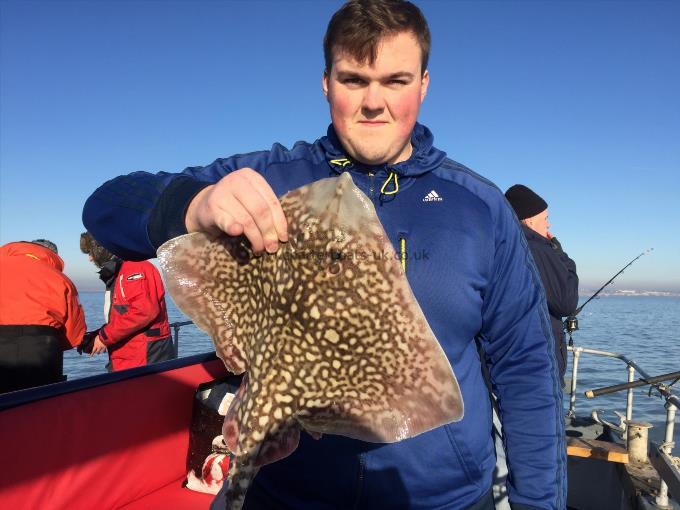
<point x="90" y="246"/>
<point x="359" y="25"/>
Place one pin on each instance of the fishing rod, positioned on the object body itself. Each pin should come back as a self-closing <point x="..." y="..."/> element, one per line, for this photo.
<point x="571" y="323"/>
<point x="655" y="382"/>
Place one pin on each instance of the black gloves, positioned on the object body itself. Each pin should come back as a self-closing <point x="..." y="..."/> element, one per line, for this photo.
<point x="87" y="342"/>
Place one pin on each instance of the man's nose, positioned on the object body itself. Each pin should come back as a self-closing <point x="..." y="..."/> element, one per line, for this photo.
<point x="373" y="98"/>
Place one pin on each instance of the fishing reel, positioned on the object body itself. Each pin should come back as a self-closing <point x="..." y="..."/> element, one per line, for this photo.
<point x="571" y="325"/>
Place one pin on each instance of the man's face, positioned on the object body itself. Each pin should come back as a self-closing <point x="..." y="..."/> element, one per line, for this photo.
<point x="374" y="108"/>
<point x="539" y="223"/>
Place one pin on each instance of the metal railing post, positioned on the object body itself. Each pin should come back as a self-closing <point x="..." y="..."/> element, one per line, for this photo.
<point x="175" y="342"/>
<point x="175" y="334"/>
<point x="629" y="400"/>
<point x="667" y="447"/>
<point x="574" y="375"/>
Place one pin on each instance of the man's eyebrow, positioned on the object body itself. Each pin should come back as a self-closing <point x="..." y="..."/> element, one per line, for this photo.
<point x="401" y="74"/>
<point x="394" y="76"/>
<point x="350" y="74"/>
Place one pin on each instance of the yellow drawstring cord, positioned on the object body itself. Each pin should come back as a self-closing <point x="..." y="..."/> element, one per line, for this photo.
<point x="402" y="253"/>
<point x="387" y="181"/>
<point x="343" y="162"/>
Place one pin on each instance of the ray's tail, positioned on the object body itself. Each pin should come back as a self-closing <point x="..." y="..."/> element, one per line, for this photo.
<point x="241" y="473"/>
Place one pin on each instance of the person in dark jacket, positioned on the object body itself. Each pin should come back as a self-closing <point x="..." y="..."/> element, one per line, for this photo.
<point x="40" y="315"/>
<point x="558" y="271"/>
<point x="472" y="275"/>
<point x="136" y="332"/>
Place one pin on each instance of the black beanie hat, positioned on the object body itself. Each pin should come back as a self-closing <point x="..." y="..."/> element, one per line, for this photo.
<point x="525" y="202"/>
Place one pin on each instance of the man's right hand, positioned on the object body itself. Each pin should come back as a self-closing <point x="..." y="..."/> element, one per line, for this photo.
<point x="240" y="203"/>
<point x="98" y="347"/>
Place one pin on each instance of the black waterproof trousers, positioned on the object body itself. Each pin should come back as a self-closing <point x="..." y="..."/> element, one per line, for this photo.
<point x="29" y="356"/>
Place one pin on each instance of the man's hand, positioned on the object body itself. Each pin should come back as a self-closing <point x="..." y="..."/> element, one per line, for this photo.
<point x="98" y="347"/>
<point x="87" y="342"/>
<point x="240" y="203"/>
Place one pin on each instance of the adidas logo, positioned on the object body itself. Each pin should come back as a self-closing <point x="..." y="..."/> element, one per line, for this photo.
<point x="432" y="196"/>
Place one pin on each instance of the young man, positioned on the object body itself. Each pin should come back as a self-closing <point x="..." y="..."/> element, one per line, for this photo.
<point x="40" y="315"/>
<point x="558" y="271"/>
<point x="477" y="284"/>
<point x="136" y="332"/>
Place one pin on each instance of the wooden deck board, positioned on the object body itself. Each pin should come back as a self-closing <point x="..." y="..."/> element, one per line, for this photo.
<point x="594" y="449"/>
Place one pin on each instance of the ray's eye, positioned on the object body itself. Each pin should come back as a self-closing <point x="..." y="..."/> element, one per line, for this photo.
<point x="336" y="261"/>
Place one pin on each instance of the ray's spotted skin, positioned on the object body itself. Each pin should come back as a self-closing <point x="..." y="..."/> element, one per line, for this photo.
<point x="327" y="330"/>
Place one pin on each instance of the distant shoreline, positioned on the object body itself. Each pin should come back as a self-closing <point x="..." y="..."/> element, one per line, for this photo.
<point x="582" y="293"/>
<point x="630" y="293"/>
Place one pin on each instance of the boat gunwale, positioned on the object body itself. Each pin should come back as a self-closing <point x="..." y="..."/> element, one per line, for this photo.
<point x="30" y="395"/>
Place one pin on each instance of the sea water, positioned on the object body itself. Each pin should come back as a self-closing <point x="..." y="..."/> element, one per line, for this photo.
<point x="643" y="328"/>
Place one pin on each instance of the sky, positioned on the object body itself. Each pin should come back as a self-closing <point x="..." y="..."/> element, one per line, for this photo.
<point x="579" y="100"/>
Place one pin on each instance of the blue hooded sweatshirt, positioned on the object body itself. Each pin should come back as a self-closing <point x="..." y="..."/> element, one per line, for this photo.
<point x="469" y="267"/>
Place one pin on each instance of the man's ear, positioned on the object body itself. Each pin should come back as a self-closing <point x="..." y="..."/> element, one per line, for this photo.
<point x="424" y="83"/>
<point x="324" y="83"/>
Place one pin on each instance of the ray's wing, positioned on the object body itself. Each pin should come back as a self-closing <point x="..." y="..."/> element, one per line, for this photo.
<point x="209" y="280"/>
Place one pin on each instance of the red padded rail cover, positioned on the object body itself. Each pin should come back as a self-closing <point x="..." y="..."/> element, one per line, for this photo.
<point x="103" y="447"/>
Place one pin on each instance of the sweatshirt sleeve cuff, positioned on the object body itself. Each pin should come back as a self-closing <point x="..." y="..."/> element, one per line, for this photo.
<point x="167" y="216"/>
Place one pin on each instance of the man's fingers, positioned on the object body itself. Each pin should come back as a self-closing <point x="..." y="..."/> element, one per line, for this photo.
<point x="263" y="187"/>
<point x="260" y="212"/>
<point x="194" y="219"/>
<point x="235" y="219"/>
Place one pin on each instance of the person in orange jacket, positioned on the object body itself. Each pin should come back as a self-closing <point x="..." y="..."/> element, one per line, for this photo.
<point x="136" y="332"/>
<point x="40" y="315"/>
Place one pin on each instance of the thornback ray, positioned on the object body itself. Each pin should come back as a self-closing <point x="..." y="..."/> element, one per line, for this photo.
<point x="327" y="329"/>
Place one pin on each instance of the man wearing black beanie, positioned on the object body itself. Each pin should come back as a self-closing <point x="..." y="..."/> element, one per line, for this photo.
<point x="558" y="271"/>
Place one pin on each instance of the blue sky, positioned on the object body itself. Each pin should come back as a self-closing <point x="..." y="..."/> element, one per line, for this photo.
<point x="580" y="100"/>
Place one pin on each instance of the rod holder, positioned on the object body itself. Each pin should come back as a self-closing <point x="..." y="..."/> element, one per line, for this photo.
<point x="637" y="440"/>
